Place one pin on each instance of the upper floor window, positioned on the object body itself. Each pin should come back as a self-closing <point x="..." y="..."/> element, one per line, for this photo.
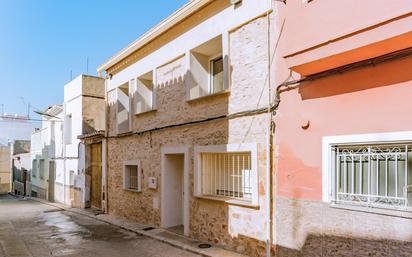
<point x="143" y="93"/>
<point x="34" y="168"/>
<point x="216" y="75"/>
<point x="42" y="169"/>
<point x="206" y="69"/>
<point x="68" y="129"/>
<point x="123" y="109"/>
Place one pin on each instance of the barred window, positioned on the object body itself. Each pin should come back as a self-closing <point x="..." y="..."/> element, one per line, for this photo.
<point x="372" y="175"/>
<point x="132" y="176"/>
<point x="223" y="173"/>
<point x="226" y="174"/>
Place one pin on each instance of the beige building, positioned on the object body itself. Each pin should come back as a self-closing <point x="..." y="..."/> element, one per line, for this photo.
<point x="5" y="169"/>
<point x="188" y="126"/>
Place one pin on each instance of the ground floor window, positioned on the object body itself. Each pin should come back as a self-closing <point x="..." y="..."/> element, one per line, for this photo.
<point x="375" y="175"/>
<point x="132" y="176"/>
<point x="226" y="172"/>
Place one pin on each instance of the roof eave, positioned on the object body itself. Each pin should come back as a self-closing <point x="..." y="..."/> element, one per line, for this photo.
<point x="164" y="25"/>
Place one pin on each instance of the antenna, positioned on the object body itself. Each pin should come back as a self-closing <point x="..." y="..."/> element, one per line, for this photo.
<point x="2" y="109"/>
<point x="71" y="75"/>
<point x="87" y="65"/>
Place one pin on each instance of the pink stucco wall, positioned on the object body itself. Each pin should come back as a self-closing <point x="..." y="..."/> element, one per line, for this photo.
<point x="368" y="100"/>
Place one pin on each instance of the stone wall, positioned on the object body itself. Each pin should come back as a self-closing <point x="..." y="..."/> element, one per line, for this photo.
<point x="311" y="228"/>
<point x="234" y="227"/>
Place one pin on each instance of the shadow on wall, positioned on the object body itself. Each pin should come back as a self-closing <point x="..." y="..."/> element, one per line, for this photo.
<point x="329" y="245"/>
<point x="381" y="75"/>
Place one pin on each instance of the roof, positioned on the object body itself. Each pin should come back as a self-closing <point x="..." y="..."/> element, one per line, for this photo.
<point x="184" y="12"/>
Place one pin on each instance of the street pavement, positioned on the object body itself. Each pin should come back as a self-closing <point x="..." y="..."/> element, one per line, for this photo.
<point x="32" y="229"/>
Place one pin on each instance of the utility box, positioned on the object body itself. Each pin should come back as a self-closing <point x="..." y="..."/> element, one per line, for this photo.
<point x="152" y="183"/>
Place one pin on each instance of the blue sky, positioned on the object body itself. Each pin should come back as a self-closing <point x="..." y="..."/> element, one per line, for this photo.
<point x="41" y="41"/>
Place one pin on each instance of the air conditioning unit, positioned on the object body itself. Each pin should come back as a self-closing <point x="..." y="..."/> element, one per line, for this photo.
<point x="235" y="1"/>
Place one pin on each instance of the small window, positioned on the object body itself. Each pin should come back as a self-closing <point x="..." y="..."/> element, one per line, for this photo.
<point x="34" y="169"/>
<point x="226" y="172"/>
<point x="132" y="176"/>
<point x="216" y="75"/>
<point x="374" y="175"/>
<point x="41" y="169"/>
<point x="68" y="129"/>
<point x="123" y="109"/>
<point x="143" y="95"/>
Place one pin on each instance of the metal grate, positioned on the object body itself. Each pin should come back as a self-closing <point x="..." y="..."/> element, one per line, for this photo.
<point x="372" y="175"/>
<point x="132" y="177"/>
<point x="227" y="175"/>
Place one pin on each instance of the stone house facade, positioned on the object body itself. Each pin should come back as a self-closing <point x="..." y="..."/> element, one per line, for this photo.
<point x="187" y="136"/>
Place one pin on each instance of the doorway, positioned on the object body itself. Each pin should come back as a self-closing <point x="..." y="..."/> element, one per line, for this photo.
<point x="96" y="176"/>
<point x="174" y="190"/>
<point x="52" y="178"/>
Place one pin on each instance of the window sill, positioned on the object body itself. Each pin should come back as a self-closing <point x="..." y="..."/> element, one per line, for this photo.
<point x="223" y="92"/>
<point x="145" y="112"/>
<point x="230" y="201"/>
<point x="133" y="190"/>
<point x="407" y="213"/>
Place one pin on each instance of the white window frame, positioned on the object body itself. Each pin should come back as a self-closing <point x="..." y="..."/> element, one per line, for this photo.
<point x="139" y="175"/>
<point x="211" y="67"/>
<point x="327" y="154"/>
<point x="229" y="148"/>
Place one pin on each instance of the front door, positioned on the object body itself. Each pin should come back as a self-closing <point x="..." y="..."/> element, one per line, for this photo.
<point x="96" y="176"/>
<point x="173" y="192"/>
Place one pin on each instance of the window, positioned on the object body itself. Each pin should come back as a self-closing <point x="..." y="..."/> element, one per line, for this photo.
<point x="206" y="72"/>
<point x="226" y="172"/>
<point x="68" y="129"/>
<point x="143" y="96"/>
<point x="41" y="169"/>
<point x="374" y="175"/>
<point x="132" y="176"/>
<point x="216" y="75"/>
<point x="34" y="169"/>
<point x="123" y="109"/>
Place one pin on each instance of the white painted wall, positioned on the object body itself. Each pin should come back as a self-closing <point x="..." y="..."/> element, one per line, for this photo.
<point x="216" y="25"/>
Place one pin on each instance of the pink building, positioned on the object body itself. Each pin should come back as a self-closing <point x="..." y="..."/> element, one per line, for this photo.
<point x="343" y="135"/>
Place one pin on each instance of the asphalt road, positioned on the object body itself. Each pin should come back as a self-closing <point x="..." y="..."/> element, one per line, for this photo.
<point x="32" y="229"/>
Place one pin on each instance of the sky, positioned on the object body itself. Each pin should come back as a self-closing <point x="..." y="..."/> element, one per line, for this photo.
<point x="43" y="42"/>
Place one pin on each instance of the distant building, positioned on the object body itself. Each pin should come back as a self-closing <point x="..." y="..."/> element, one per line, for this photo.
<point x="83" y="113"/>
<point x="46" y="144"/>
<point x="14" y="127"/>
<point x="20" y="162"/>
<point x="5" y="176"/>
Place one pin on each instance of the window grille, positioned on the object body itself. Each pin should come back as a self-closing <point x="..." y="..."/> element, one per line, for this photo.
<point x="132" y="175"/>
<point x="226" y="175"/>
<point x="372" y="175"/>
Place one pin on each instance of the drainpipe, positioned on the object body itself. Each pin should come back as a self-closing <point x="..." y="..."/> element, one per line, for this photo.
<point x="269" y="138"/>
<point x="105" y="145"/>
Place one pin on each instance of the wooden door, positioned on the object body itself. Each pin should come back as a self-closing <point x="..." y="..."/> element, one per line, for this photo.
<point x="96" y="176"/>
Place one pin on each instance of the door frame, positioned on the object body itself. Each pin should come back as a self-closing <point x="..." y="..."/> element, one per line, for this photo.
<point x="176" y="150"/>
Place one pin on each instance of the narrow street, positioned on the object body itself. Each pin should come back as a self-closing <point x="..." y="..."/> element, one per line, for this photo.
<point x="32" y="229"/>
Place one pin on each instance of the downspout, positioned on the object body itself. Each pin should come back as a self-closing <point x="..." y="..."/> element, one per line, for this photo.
<point x="106" y="147"/>
<point x="64" y="153"/>
<point x="269" y="138"/>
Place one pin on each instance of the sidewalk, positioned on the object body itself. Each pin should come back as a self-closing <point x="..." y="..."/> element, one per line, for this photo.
<point x="159" y="234"/>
